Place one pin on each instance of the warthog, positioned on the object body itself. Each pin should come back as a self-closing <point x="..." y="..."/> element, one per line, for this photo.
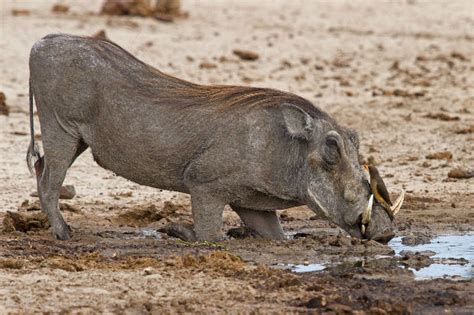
<point x="255" y="149"/>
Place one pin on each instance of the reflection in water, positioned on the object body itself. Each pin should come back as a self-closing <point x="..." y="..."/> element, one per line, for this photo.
<point x="454" y="258"/>
<point x="302" y="267"/>
<point x="445" y="246"/>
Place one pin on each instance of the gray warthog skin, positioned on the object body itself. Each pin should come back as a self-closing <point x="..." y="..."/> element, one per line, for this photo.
<point x="255" y="149"/>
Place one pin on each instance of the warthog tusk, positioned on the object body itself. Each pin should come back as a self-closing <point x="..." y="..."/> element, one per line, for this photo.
<point x="368" y="212"/>
<point x="398" y="203"/>
<point x="316" y="201"/>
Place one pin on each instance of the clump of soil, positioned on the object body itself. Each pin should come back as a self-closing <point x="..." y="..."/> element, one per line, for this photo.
<point x="464" y="131"/>
<point x="207" y="65"/>
<point x="127" y="7"/>
<point x="24" y="222"/>
<point x="68" y="207"/>
<point x="140" y="216"/>
<point x="397" y="93"/>
<point x="441" y="155"/>
<point x="60" y="8"/>
<point x="441" y="116"/>
<point x="11" y="263"/>
<point x="36" y="206"/>
<point x="63" y="263"/>
<point x="163" y="10"/>
<point x="216" y="260"/>
<point x="241" y="232"/>
<point x="4" y="108"/>
<point x="246" y="54"/>
<point x="461" y="173"/>
<point x="100" y="34"/>
<point x="18" y="12"/>
<point x="171" y="7"/>
<point x="143" y="215"/>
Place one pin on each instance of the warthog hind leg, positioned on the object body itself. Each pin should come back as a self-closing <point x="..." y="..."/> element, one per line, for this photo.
<point x="59" y="155"/>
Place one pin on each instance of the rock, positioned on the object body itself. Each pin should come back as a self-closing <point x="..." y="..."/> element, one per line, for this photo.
<point x="413" y="240"/>
<point x="246" y="54"/>
<point x="66" y="192"/>
<point x="340" y="241"/>
<point x="461" y="173"/>
<point x="149" y="271"/>
<point x="4" y="108"/>
<point x="416" y="260"/>
<point x="441" y="155"/>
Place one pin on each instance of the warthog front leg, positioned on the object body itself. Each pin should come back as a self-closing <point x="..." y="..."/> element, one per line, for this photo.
<point x="264" y="224"/>
<point x="207" y="215"/>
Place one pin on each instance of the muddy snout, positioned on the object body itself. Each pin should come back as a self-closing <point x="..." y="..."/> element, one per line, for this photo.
<point x="377" y="220"/>
<point x="381" y="227"/>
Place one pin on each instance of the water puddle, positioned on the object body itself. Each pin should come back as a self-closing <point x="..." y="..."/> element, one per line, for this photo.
<point x="131" y="233"/>
<point x="302" y="267"/>
<point x="149" y="233"/>
<point x="448" y="256"/>
<point x="453" y="258"/>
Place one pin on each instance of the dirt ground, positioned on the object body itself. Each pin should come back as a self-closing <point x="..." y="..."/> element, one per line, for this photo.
<point x="401" y="73"/>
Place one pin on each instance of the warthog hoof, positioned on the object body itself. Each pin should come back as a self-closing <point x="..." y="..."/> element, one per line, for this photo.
<point x="242" y="232"/>
<point x="184" y="232"/>
<point x="61" y="231"/>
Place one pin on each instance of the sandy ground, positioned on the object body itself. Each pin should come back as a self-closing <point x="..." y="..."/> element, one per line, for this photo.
<point x="401" y="73"/>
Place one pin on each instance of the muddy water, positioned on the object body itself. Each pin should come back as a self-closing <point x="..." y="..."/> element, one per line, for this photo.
<point x="303" y="267"/>
<point x="454" y="256"/>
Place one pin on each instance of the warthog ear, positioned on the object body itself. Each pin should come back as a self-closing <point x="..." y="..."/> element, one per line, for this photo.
<point x="297" y="122"/>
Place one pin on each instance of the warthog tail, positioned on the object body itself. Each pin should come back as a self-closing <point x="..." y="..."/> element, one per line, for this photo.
<point x="34" y="160"/>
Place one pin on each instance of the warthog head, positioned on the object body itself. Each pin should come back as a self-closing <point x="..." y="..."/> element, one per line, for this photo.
<point x="334" y="183"/>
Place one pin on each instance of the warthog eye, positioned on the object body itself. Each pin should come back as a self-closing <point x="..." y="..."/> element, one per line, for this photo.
<point x="331" y="150"/>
